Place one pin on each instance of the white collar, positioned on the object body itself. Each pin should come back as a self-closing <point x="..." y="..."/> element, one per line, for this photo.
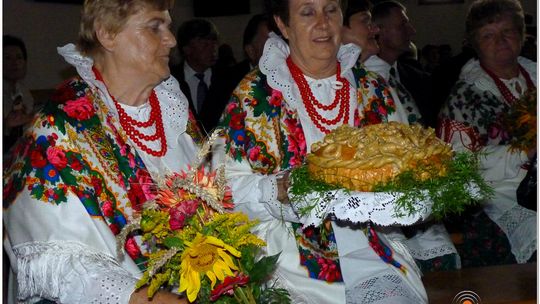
<point x="273" y="65"/>
<point x="189" y="71"/>
<point x="174" y="105"/>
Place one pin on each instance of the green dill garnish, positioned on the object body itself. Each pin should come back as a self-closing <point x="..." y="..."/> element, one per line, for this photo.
<point x="450" y="193"/>
<point x="303" y="184"/>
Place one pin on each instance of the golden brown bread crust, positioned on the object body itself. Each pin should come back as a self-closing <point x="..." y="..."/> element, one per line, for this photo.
<point x="358" y="159"/>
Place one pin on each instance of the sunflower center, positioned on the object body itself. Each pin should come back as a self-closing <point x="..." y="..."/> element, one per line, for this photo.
<point x="204" y="257"/>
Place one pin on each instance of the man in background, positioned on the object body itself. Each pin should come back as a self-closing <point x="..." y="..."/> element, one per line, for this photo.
<point x="255" y="35"/>
<point x="198" y="42"/>
<point x="395" y="39"/>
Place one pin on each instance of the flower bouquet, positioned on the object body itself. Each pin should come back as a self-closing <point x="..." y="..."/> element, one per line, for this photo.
<point x="520" y="122"/>
<point x="198" y="245"/>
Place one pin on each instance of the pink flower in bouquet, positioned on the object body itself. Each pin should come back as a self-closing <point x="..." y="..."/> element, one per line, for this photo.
<point x="178" y="215"/>
<point x="132" y="248"/>
<point x="80" y="109"/>
<point x="227" y="287"/>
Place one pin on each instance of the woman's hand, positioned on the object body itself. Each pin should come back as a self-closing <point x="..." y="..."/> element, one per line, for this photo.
<point x="283" y="185"/>
<point x="161" y="297"/>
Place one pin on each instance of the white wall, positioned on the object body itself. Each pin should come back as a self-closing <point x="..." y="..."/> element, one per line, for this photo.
<point x="45" y="26"/>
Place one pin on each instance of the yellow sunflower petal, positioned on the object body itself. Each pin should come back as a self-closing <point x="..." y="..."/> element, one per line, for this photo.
<point x="212" y="277"/>
<point x="194" y="286"/>
<point x="221" y="269"/>
<point x="214" y="241"/>
<point x="227" y="259"/>
<point x="183" y="276"/>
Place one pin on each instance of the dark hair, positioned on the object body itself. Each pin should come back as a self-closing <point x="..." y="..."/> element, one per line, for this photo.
<point x="196" y="28"/>
<point x="484" y="12"/>
<point x="279" y="8"/>
<point x="383" y="9"/>
<point x="9" y="40"/>
<point x="252" y="28"/>
<point x="351" y="7"/>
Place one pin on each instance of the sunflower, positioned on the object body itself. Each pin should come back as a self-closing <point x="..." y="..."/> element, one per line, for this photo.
<point x="208" y="256"/>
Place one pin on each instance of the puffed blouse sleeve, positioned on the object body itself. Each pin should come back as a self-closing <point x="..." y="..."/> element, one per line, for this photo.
<point x="251" y="168"/>
<point x="59" y="246"/>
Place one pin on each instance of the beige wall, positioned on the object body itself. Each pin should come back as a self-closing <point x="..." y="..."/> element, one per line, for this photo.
<point x="45" y="26"/>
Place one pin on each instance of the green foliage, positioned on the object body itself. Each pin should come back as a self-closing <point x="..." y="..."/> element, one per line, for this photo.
<point x="272" y="295"/>
<point x="449" y="194"/>
<point x="171" y="242"/>
<point x="303" y="184"/>
<point x="263" y="268"/>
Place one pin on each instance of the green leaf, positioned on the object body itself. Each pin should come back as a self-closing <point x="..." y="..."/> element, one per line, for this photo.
<point x="263" y="268"/>
<point x="173" y="242"/>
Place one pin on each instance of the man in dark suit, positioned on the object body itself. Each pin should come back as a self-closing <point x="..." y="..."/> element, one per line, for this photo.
<point x="395" y="34"/>
<point x="198" y="45"/>
<point x="255" y="35"/>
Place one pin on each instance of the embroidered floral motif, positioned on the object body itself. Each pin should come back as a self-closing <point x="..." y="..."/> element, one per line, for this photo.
<point x="80" y="109"/>
<point x="481" y="111"/>
<point x="379" y="104"/>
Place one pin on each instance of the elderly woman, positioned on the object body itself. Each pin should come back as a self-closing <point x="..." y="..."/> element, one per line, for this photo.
<point x="472" y="119"/>
<point x="303" y="89"/>
<point x="86" y="164"/>
<point x="429" y="244"/>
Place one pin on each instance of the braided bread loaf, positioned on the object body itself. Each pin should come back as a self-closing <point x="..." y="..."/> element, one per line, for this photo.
<point x="358" y="159"/>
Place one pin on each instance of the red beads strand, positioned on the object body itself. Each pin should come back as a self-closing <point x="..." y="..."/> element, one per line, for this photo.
<point x="129" y="124"/>
<point x="312" y="104"/>
<point x="505" y="92"/>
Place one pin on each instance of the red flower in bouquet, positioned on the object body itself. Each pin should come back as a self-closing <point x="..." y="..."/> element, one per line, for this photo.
<point x="132" y="248"/>
<point x="179" y="214"/>
<point x="228" y="285"/>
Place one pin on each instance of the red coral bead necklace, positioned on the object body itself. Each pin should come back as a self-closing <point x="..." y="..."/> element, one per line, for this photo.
<point x="312" y="104"/>
<point x="505" y="92"/>
<point x="129" y="124"/>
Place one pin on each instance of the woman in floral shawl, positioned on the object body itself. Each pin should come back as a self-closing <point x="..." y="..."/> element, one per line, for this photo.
<point x="88" y="162"/>
<point x="300" y="91"/>
<point x="474" y="119"/>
